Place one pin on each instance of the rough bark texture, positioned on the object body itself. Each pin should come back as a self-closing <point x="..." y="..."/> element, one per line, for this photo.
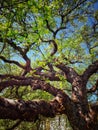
<point x="81" y="114"/>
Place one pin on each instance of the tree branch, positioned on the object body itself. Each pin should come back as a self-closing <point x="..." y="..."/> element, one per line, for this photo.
<point x="46" y="87"/>
<point x="12" y="44"/>
<point x="26" y="110"/>
<point x="13" y="82"/>
<point x="94" y="88"/>
<point x="30" y="110"/>
<point x="55" y="47"/>
<point x="37" y="76"/>
<point x="23" y="52"/>
<point x="35" y="84"/>
<point x="15" y="125"/>
<point x="48" y="26"/>
<point x="3" y="6"/>
<point x="4" y="46"/>
<point x="57" y="30"/>
<point x="76" y="6"/>
<point x="70" y="73"/>
<point x="12" y="62"/>
<point x="90" y="70"/>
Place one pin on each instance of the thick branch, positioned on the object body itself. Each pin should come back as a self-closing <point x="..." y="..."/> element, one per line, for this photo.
<point x="37" y="76"/>
<point x="90" y="70"/>
<point x="27" y="110"/>
<point x="30" y="110"/>
<point x="51" y="76"/>
<point x="70" y="73"/>
<point x="11" y="83"/>
<point x="36" y="84"/>
<point x="46" y="87"/>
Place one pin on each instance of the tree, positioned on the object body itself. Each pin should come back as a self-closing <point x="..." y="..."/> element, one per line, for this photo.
<point x="49" y="45"/>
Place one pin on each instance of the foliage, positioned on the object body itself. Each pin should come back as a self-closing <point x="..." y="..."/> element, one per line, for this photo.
<point x="35" y="28"/>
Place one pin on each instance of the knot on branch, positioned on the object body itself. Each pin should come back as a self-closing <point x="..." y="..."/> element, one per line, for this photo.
<point x="59" y="99"/>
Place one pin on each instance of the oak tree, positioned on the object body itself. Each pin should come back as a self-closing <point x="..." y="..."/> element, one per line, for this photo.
<point x="49" y="47"/>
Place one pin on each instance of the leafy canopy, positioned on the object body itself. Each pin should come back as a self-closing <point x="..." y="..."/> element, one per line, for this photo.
<point x="33" y="25"/>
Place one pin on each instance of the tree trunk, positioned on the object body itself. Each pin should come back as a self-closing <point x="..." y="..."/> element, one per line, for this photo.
<point x="82" y="122"/>
<point x="81" y="116"/>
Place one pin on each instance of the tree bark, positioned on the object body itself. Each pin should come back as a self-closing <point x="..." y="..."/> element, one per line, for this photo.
<point x="30" y="111"/>
<point x="80" y="113"/>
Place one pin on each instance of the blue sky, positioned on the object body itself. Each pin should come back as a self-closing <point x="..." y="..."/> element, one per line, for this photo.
<point x="96" y="5"/>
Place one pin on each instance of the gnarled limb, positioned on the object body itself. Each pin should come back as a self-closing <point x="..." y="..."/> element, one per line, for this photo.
<point x="93" y="68"/>
<point x="23" y="53"/>
<point x="11" y="83"/>
<point x="41" y="76"/>
<point x="70" y="73"/>
<point x="30" y="110"/>
<point x="26" y="110"/>
<point x="35" y="84"/>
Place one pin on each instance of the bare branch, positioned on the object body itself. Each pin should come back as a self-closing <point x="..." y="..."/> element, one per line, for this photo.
<point x="28" y="47"/>
<point x="27" y="66"/>
<point x="74" y="7"/>
<point x="57" y="30"/>
<point x="12" y="62"/>
<point x="72" y="61"/>
<point x="23" y="52"/>
<point x="55" y="47"/>
<point x="19" y="49"/>
<point x="48" y="26"/>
